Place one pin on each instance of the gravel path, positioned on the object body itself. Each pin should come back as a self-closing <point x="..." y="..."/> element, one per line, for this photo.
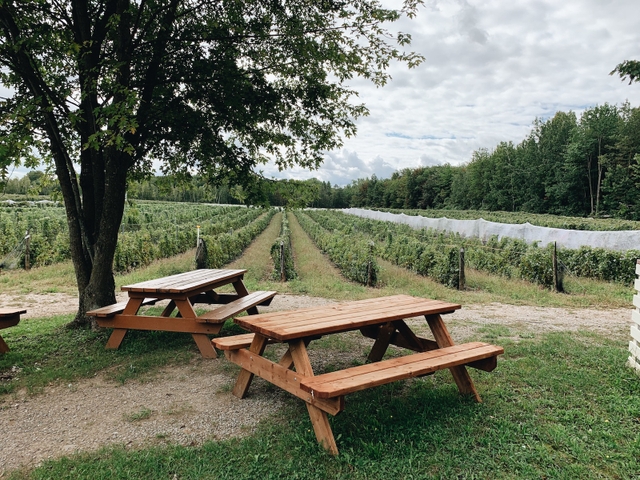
<point x="192" y="403"/>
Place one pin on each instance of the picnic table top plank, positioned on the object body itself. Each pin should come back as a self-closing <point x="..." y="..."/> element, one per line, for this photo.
<point x="285" y="326"/>
<point x="184" y="282"/>
<point x="332" y="323"/>
<point x="277" y="317"/>
<point x="345" y="322"/>
<point x="181" y="281"/>
<point x="372" y="305"/>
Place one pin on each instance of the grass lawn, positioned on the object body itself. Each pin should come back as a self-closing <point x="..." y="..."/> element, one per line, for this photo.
<point x="558" y="406"/>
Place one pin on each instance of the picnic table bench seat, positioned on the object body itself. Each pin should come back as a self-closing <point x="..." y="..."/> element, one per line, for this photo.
<point x="237" y="342"/>
<point x="343" y="382"/>
<point x="10" y="314"/>
<point x="9" y="317"/>
<point x="231" y="309"/>
<point x="234" y="342"/>
<point x="116" y="308"/>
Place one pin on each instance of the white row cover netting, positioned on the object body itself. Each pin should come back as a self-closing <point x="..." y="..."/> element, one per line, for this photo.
<point x="614" y="240"/>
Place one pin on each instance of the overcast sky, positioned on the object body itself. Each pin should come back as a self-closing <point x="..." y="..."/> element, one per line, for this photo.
<point x="491" y="67"/>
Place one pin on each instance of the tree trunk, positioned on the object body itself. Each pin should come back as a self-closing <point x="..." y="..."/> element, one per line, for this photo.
<point x="600" y="168"/>
<point x="590" y="184"/>
<point x="94" y="267"/>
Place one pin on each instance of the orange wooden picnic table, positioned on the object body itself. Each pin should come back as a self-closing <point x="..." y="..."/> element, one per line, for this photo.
<point x="183" y="291"/>
<point x="381" y="319"/>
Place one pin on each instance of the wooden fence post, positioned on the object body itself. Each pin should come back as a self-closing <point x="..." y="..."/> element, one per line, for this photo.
<point x="202" y="257"/>
<point x="369" y="265"/>
<point x="283" y="276"/>
<point x="557" y="275"/>
<point x="27" y="251"/>
<point x="461" y="277"/>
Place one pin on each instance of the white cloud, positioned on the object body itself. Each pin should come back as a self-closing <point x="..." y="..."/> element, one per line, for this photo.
<point x="492" y="67"/>
<point x="339" y="168"/>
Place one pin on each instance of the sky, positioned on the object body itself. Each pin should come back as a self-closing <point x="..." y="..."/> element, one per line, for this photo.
<point x="491" y="68"/>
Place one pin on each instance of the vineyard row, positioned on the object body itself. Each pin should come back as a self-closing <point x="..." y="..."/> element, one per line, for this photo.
<point x="436" y="255"/>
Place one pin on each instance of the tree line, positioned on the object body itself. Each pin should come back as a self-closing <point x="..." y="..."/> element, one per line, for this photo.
<point x="567" y="165"/>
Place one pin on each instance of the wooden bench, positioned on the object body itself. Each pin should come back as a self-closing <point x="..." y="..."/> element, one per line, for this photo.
<point x="243" y="340"/>
<point x="9" y="317"/>
<point x="234" y="342"/>
<point x="342" y="382"/>
<point x="231" y="309"/>
<point x="112" y="310"/>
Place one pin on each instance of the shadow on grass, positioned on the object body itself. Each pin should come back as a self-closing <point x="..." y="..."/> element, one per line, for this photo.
<point x="58" y="354"/>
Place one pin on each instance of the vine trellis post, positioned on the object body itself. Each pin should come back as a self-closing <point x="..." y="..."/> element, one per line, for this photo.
<point x="461" y="277"/>
<point x="27" y="251"/>
<point x="283" y="276"/>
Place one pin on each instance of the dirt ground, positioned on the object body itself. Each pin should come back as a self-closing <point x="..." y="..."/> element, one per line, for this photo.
<point x="192" y="403"/>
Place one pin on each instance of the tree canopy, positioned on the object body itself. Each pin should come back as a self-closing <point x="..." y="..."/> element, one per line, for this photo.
<point x="103" y="89"/>
<point x="628" y="69"/>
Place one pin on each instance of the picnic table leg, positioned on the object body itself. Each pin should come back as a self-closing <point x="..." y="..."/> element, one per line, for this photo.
<point x="242" y="291"/>
<point x="382" y="342"/>
<point x="116" y="338"/>
<point x="207" y="350"/>
<point x="185" y="310"/>
<point x="117" y="335"/>
<point x="319" y="418"/>
<point x="287" y="360"/>
<point x="168" y="310"/>
<point x="245" y="377"/>
<point x="4" y="348"/>
<point x="413" y="341"/>
<point x="443" y="339"/>
<point x="132" y="306"/>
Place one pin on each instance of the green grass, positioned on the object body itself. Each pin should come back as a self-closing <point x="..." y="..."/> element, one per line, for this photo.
<point x="143" y="414"/>
<point x="561" y="405"/>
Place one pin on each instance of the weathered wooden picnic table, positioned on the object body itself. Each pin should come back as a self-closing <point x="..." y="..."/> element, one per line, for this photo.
<point x="183" y="291"/>
<point x="381" y="319"/>
<point x="8" y="318"/>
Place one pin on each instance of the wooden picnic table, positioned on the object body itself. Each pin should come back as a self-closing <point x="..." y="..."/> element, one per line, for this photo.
<point x="381" y="319"/>
<point x="8" y="318"/>
<point x="183" y="291"/>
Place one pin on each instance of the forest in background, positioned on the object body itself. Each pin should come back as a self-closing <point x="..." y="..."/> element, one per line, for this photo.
<point x="567" y="165"/>
<point x="587" y="165"/>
